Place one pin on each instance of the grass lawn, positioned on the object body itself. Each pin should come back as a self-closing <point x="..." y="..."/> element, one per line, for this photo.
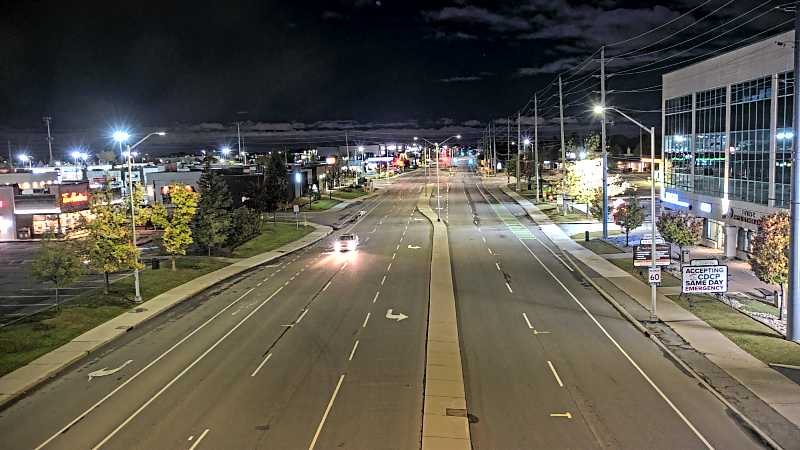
<point x="599" y="246"/>
<point x="626" y="264"/>
<point x="349" y="194"/>
<point x="759" y="340"/>
<point x="595" y="235"/>
<point x="320" y="205"/>
<point x="25" y="341"/>
<point x="273" y="236"/>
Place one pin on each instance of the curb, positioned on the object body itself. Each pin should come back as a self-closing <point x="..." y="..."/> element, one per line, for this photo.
<point x="638" y="325"/>
<point x="445" y="424"/>
<point x="64" y="356"/>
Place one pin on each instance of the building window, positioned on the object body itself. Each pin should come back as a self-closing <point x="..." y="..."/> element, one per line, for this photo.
<point x="709" y="161"/>
<point x="784" y="135"/>
<point x="677" y="144"/>
<point x="749" y="153"/>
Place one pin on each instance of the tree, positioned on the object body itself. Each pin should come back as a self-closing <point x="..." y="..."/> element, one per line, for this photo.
<point x="272" y="188"/>
<point x="108" y="244"/>
<point x="107" y="156"/>
<point x="770" y="247"/>
<point x="592" y="142"/>
<point x="525" y="168"/>
<point x="246" y="224"/>
<point x="213" y="210"/>
<point x="177" y="234"/>
<point x="680" y="229"/>
<point x="584" y="178"/>
<point x="57" y="263"/>
<point x="629" y="216"/>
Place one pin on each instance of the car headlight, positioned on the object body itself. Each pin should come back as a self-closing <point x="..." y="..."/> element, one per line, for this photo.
<point x="337" y="246"/>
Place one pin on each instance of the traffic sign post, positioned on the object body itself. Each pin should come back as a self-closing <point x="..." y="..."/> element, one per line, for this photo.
<point x="654" y="275"/>
<point x="704" y="279"/>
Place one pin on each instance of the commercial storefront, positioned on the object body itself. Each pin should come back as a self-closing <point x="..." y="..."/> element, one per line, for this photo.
<point x="31" y="213"/>
<point x="727" y="140"/>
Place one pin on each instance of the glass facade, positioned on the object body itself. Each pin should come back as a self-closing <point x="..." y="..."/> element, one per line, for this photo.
<point x="709" y="159"/>
<point x="746" y="133"/>
<point x="783" y="139"/>
<point x="749" y="152"/>
<point x="677" y="144"/>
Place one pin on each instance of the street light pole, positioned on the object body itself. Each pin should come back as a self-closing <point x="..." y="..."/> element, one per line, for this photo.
<point x="793" y="305"/>
<point x="603" y="139"/>
<point x="519" y="149"/>
<point x="138" y="294"/>
<point x="438" y="197"/>
<point x="652" y="131"/>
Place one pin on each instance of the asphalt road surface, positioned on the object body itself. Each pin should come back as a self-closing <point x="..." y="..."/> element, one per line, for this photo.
<point x="299" y="354"/>
<point x="306" y="354"/>
<point x="547" y="362"/>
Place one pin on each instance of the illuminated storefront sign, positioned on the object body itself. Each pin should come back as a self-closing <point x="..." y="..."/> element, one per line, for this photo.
<point x="74" y="197"/>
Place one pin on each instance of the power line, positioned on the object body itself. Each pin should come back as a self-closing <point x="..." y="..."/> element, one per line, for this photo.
<point x="750" y="38"/>
<point x="626" y="71"/>
<point x="682" y="30"/>
<point x="658" y="27"/>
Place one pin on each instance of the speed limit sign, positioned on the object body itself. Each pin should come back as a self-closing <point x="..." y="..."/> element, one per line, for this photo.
<point x="654" y="275"/>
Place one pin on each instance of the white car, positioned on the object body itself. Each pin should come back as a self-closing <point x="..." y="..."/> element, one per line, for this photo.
<point x="345" y="243"/>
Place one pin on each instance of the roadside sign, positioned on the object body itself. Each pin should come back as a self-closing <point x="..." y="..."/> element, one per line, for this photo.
<point x="704" y="262"/>
<point x="296" y="209"/>
<point x="641" y="255"/>
<point x="649" y="241"/>
<point x="654" y="275"/>
<point x="704" y="279"/>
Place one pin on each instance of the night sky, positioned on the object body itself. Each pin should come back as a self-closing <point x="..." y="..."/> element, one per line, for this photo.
<point x="93" y="64"/>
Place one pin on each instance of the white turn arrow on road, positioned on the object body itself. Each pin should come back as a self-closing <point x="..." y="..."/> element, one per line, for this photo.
<point x="414" y="247"/>
<point x="397" y="317"/>
<point x="105" y="372"/>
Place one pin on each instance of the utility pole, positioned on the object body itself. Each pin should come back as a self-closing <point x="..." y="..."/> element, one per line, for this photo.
<point x="536" y="142"/>
<point x="793" y="305"/>
<point x="10" y="158"/>
<point x="519" y="151"/>
<point x="47" y="120"/>
<point x="239" y="138"/>
<point x="494" y="148"/>
<point x="603" y="139"/>
<point x="347" y="146"/>
<point x="561" y="115"/>
<point x="508" y="149"/>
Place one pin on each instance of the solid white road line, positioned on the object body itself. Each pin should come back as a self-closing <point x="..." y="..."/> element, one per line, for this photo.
<point x="383" y="280"/>
<point x="525" y="316"/>
<point x="184" y="371"/>
<point x="325" y="415"/>
<point x="200" y="438"/>
<point x="136" y="375"/>
<point x="264" y="361"/>
<point x="621" y="350"/>
<point x="327" y="286"/>
<point x="389" y="267"/>
<point x="366" y="319"/>
<point x="509" y="288"/>
<point x="301" y="316"/>
<point x="353" y="351"/>
<point x="374" y="299"/>
<point x="555" y="374"/>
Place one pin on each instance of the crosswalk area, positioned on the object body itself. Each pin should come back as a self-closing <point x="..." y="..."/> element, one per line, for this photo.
<point x="511" y="222"/>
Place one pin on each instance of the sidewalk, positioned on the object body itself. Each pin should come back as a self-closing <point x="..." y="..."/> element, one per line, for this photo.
<point x="40" y="370"/>
<point x="444" y="415"/>
<point x="773" y="388"/>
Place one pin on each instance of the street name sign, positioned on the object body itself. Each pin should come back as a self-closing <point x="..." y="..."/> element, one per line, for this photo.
<point x="704" y="279"/>
<point x="641" y="255"/>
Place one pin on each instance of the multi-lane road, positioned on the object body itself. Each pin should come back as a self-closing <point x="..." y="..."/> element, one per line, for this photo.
<point x="304" y="353"/>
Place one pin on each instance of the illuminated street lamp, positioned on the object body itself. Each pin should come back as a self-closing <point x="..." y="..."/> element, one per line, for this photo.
<point x="26" y="159"/>
<point x="75" y="155"/>
<point x="598" y="109"/>
<point x="123" y="137"/>
<point x="438" y="197"/>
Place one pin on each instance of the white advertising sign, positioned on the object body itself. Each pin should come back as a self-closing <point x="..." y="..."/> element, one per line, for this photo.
<point x="704" y="279"/>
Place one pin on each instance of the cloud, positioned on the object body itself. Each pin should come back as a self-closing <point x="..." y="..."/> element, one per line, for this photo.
<point x="332" y="15"/>
<point x="551" y="67"/>
<point x="461" y="79"/>
<point x="475" y="15"/>
<point x="457" y="36"/>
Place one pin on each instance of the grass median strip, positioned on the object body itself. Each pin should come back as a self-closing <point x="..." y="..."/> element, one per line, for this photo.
<point x="273" y="236"/>
<point x="343" y="194"/>
<point x="599" y="246"/>
<point x="41" y="333"/>
<point x="321" y="204"/>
